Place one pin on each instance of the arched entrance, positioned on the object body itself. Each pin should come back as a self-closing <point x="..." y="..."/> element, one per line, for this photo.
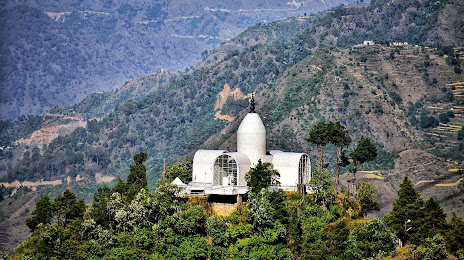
<point x="225" y="170"/>
<point x="304" y="170"/>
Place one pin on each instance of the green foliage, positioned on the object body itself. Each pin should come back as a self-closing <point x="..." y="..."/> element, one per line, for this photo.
<point x="320" y="135"/>
<point x="413" y="220"/>
<point x="370" y="240"/>
<point x="98" y="211"/>
<point x="138" y="173"/>
<point x="160" y="225"/>
<point x="428" y="121"/>
<point x="267" y="209"/>
<point x="364" y="151"/>
<point x="261" y="176"/>
<point x="66" y="207"/>
<point x="433" y="249"/>
<point x="406" y="212"/>
<point x="332" y="243"/>
<point x="461" y="134"/>
<point x="444" y="118"/>
<point x="42" y="213"/>
<point x="366" y="195"/>
<point x="323" y="190"/>
<point x="455" y="234"/>
<point x="182" y="169"/>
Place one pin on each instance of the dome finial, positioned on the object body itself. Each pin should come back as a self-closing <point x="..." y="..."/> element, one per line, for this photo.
<point x="252" y="103"/>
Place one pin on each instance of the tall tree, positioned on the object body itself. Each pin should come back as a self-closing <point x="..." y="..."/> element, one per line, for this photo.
<point x="42" y="213"/>
<point x="434" y="220"/>
<point x="99" y="211"/>
<point x="406" y="215"/>
<point x="138" y="173"/>
<point x="320" y="135"/>
<point x="261" y="176"/>
<point x="341" y="139"/>
<point x="364" y="151"/>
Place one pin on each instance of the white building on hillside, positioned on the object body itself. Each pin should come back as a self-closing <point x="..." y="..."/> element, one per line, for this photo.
<point x="220" y="172"/>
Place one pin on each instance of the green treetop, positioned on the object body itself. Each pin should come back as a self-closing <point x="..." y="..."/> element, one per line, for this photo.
<point x="138" y="173"/>
<point x="366" y="197"/>
<point x="261" y="176"/>
<point x="320" y="135"/>
<point x="41" y="214"/>
<point x="182" y="169"/>
<point x="406" y="213"/>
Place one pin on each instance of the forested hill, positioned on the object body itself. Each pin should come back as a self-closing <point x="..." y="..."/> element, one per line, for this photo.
<point x="359" y="86"/>
<point x="55" y="53"/>
<point x="395" y="95"/>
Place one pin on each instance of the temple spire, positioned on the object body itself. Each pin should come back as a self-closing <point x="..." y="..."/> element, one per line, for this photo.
<point x="252" y="104"/>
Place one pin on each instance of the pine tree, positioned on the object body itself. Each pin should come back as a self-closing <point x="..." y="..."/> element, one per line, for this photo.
<point x="66" y="207"/>
<point x="406" y="216"/>
<point x="138" y="172"/>
<point x="42" y="213"/>
<point x="364" y="151"/>
<point x="99" y="210"/>
<point x="434" y="220"/>
<point x="455" y="234"/>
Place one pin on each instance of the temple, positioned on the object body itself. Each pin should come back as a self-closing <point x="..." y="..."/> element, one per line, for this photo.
<point x="220" y="172"/>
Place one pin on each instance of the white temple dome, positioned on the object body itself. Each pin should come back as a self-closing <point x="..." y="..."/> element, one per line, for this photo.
<point x="251" y="137"/>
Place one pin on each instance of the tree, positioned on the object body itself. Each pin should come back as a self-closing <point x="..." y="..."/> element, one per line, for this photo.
<point x="341" y="139"/>
<point x="461" y="134"/>
<point x="444" y="118"/>
<point x="455" y="234"/>
<point x="42" y="213"/>
<point x="370" y="240"/>
<point x="406" y="215"/>
<point x="320" y="136"/>
<point x="138" y="173"/>
<point x="321" y="184"/>
<point x="433" y="220"/>
<point x="265" y="208"/>
<point x="99" y="211"/>
<point x="364" y="151"/>
<point x="261" y="176"/>
<point x="366" y="197"/>
<point x="66" y="207"/>
<point x="433" y="249"/>
<point x="182" y="169"/>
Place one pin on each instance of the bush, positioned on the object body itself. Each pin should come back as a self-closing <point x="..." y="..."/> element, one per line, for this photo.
<point x="444" y="118"/>
<point x="461" y="134"/>
<point x="428" y="121"/>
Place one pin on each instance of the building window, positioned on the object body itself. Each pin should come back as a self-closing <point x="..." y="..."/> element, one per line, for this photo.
<point x="304" y="170"/>
<point x="225" y="171"/>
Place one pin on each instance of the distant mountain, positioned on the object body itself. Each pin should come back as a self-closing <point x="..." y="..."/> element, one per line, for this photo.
<point x="55" y="53"/>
